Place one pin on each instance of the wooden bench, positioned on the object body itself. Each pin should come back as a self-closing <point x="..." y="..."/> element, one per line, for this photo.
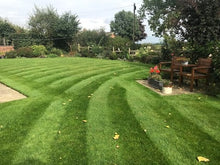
<point x="200" y="71"/>
<point x="174" y="66"/>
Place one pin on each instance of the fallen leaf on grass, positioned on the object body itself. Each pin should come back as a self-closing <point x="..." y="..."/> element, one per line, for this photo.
<point x="116" y="137"/>
<point x="1" y="126"/>
<point x="69" y="100"/>
<point x="117" y="146"/>
<point x="64" y="103"/>
<point x="89" y="96"/>
<point x="202" y="159"/>
<point x="167" y="126"/>
<point x="145" y="130"/>
<point x="84" y="121"/>
<point x="59" y="132"/>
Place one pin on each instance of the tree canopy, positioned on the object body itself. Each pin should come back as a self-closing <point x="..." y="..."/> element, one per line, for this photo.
<point x="196" y="21"/>
<point x="43" y="22"/>
<point x="92" y="37"/>
<point x="52" y="28"/>
<point x="123" y="26"/>
<point x="66" y="29"/>
<point x="6" y="29"/>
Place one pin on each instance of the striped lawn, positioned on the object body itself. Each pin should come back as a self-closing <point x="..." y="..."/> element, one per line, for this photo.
<point x="48" y="127"/>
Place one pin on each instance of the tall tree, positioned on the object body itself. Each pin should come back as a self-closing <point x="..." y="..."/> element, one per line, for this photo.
<point x="54" y="30"/>
<point x="66" y="29"/>
<point x="92" y="37"/>
<point x="6" y="30"/>
<point x="123" y="25"/>
<point x="196" y="21"/>
<point x="43" y="23"/>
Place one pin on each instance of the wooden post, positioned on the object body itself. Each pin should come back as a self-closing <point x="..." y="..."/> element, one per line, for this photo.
<point x="113" y="49"/>
<point x="78" y="47"/>
<point x="134" y="24"/>
<point x="129" y="51"/>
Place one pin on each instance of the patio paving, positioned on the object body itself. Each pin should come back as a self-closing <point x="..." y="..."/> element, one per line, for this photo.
<point x="7" y="94"/>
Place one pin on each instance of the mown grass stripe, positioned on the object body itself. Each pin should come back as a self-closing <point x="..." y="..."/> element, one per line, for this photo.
<point x="187" y="141"/>
<point x="101" y="146"/>
<point x="133" y="141"/>
<point x="37" y="143"/>
<point x="206" y="111"/>
<point x="40" y="74"/>
<point x="111" y="74"/>
<point x="73" y="143"/>
<point x="16" y="125"/>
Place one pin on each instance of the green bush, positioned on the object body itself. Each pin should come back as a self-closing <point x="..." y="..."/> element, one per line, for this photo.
<point x="52" y="55"/>
<point x="97" y="50"/>
<point x="85" y="53"/>
<point x="11" y="54"/>
<point x="113" y="56"/>
<point x="39" y="50"/>
<point x="119" y="42"/>
<point x="25" y="52"/>
<point x="56" y="51"/>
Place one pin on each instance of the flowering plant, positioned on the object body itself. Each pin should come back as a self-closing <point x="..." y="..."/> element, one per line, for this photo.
<point x="155" y="73"/>
<point x="167" y="83"/>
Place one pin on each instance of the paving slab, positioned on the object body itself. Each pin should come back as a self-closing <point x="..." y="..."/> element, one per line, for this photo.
<point x="8" y="94"/>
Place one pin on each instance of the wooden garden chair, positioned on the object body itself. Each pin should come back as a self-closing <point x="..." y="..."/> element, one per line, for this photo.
<point x="201" y="71"/>
<point x="174" y="67"/>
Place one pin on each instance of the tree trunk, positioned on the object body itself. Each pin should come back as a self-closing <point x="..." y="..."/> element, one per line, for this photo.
<point x="4" y="42"/>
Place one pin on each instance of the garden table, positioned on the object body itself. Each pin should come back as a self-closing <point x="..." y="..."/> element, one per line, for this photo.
<point x="182" y="66"/>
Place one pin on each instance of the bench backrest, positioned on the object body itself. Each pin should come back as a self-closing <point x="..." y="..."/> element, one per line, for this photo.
<point x="177" y="61"/>
<point x="206" y="62"/>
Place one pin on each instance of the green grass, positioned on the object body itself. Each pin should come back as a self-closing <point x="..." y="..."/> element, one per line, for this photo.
<point x="48" y="127"/>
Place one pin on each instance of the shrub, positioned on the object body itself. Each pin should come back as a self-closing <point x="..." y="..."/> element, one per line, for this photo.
<point x="25" y="52"/>
<point x="39" y="50"/>
<point x="56" y="51"/>
<point x="113" y="56"/>
<point x="97" y="50"/>
<point x="85" y="53"/>
<point x="11" y="54"/>
<point x="52" y="55"/>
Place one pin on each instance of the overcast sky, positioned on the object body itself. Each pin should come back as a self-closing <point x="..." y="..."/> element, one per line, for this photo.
<point x="93" y="14"/>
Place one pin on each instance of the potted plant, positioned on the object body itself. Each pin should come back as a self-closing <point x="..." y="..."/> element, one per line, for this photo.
<point x="167" y="87"/>
<point x="155" y="79"/>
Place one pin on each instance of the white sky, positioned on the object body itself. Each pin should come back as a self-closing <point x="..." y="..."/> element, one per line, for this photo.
<point x="92" y="14"/>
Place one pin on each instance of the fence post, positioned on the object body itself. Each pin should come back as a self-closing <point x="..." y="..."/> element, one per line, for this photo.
<point x="79" y="47"/>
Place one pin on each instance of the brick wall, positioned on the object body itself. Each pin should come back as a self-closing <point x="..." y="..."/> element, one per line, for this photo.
<point x="4" y="49"/>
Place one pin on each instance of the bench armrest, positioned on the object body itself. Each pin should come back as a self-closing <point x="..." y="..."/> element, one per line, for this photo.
<point x="168" y="62"/>
<point x="161" y="63"/>
<point x="201" y="67"/>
